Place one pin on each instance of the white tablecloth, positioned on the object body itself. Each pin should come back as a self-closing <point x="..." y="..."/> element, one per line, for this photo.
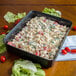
<point x="71" y="43"/>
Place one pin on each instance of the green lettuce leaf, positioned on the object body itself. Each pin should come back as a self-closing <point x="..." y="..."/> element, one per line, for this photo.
<point x="40" y="72"/>
<point x="52" y="12"/>
<point x="26" y="68"/>
<point x="29" y="65"/>
<point x="2" y="45"/>
<point x="11" y="17"/>
<point x="38" y="65"/>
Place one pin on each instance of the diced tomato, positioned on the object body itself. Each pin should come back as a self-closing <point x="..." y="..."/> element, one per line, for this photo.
<point x="55" y="23"/>
<point x="67" y="49"/>
<point x="44" y="20"/>
<point x="36" y="53"/>
<point x="73" y="51"/>
<point x="10" y="43"/>
<point x="14" y="45"/>
<point x="64" y="52"/>
<point x="41" y="33"/>
<point x="45" y="48"/>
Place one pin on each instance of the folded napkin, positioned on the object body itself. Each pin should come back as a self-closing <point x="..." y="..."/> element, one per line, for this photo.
<point x="71" y="43"/>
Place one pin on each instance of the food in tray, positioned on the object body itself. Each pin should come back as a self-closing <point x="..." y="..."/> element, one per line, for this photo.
<point x="41" y="37"/>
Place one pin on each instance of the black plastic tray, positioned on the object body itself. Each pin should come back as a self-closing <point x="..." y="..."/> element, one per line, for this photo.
<point x="26" y="55"/>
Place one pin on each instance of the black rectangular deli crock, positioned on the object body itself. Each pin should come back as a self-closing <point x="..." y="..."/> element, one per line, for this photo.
<point x="26" y="55"/>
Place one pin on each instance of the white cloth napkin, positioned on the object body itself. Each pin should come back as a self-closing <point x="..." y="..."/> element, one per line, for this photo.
<point x="71" y="43"/>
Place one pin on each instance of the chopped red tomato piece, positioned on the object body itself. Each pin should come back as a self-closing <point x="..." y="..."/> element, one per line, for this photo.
<point x="44" y="20"/>
<point x="36" y="53"/>
<point x="45" y="48"/>
<point x="10" y="43"/>
<point x="55" y="22"/>
<point x="41" y="33"/>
